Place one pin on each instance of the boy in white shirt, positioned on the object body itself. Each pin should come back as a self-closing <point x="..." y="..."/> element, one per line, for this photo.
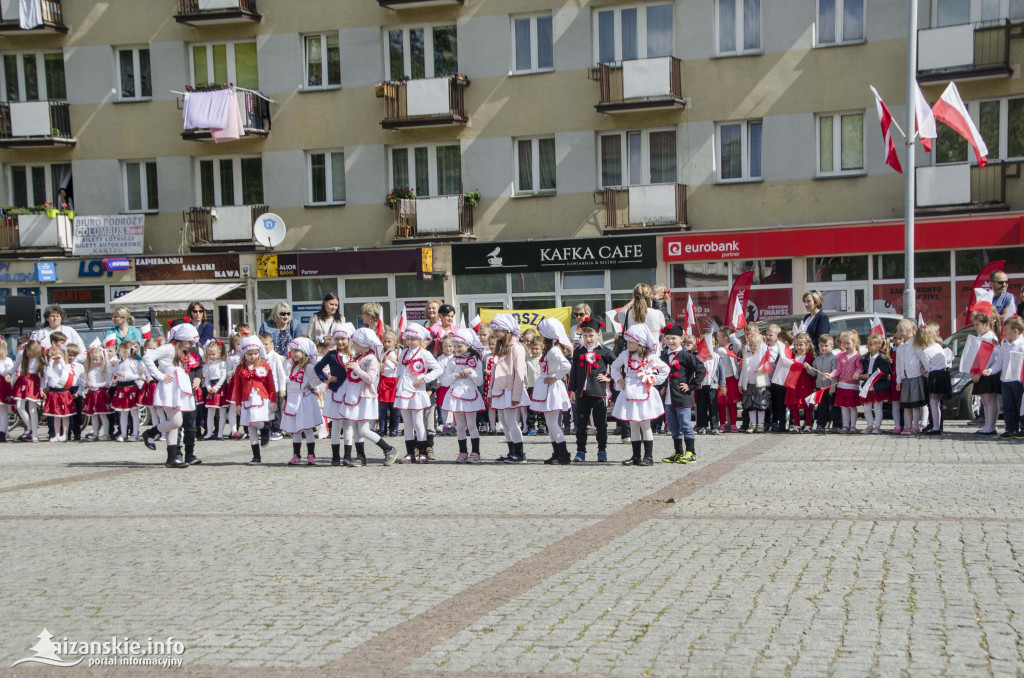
<point x="276" y="363"/>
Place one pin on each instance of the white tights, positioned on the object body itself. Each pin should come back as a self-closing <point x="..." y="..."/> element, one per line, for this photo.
<point x="29" y="415"/>
<point x="757" y="417"/>
<point x="510" y="422"/>
<point x="935" y="406"/>
<point x="357" y="431"/>
<point x="135" y="421"/>
<point x="465" y="422"/>
<point x="254" y="432"/>
<point x="554" y="422"/>
<point x="61" y="426"/>
<point x="211" y="420"/>
<point x="849" y="417"/>
<point x="99" y="425"/>
<point x="896" y="412"/>
<point x="309" y="433"/>
<point x="873" y="414"/>
<point x="170" y="424"/>
<point x="232" y="419"/>
<point x="414" y="427"/>
<point x="641" y="430"/>
<point x="912" y="418"/>
<point x="337" y="429"/>
<point x="990" y="401"/>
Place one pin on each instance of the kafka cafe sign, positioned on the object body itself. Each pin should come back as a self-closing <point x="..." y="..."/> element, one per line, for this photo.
<point x="555" y="255"/>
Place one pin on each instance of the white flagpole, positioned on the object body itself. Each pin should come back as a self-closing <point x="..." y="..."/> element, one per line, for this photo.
<point x="909" y="201"/>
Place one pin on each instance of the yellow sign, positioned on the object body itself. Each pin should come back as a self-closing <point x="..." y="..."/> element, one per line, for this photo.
<point x="427" y="259"/>
<point x="530" y="319"/>
<point x="266" y="266"/>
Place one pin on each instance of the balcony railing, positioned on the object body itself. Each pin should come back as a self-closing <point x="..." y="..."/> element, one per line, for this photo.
<point x="413" y="4"/>
<point x="35" y="123"/>
<point x="967" y="51"/>
<point x="426" y="102"/>
<point x="255" y="112"/>
<point x="955" y="187"/>
<point x="222" y="228"/>
<point x="442" y="218"/>
<point x="36" y="233"/>
<point x="51" y="17"/>
<point x="660" y="207"/>
<point x="193" y="12"/>
<point x="639" y="85"/>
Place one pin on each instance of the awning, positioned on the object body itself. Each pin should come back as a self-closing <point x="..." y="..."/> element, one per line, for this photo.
<point x="173" y="297"/>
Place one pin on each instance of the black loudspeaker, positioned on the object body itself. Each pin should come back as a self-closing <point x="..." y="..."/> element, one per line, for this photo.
<point x="21" y="312"/>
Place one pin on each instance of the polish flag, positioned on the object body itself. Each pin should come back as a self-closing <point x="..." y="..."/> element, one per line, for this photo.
<point x="787" y="370"/>
<point x="476" y="323"/>
<point x="876" y="326"/>
<point x="976" y="353"/>
<point x="1013" y="365"/>
<point x="110" y="340"/>
<point x="815" y="398"/>
<point x="951" y="110"/>
<point x="147" y="331"/>
<point x="925" y="120"/>
<point x="892" y="159"/>
<point x="738" y="319"/>
<point x="765" y="364"/>
<point x="610" y="316"/>
<point x="797" y="329"/>
<point x="704" y="347"/>
<point x="96" y="343"/>
<point x="982" y="280"/>
<point x="691" y="315"/>
<point x="982" y="302"/>
<point x="920" y="320"/>
<point x="401" y="322"/>
<point x="865" y="388"/>
<point x="462" y="321"/>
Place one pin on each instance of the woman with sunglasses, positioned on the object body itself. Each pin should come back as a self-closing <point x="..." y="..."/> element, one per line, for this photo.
<point x="281" y="326"/>
<point x="197" y="316"/>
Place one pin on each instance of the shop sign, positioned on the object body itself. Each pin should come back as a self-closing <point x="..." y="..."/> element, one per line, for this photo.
<point x="117" y="264"/>
<point x="303" y="312"/>
<point x="92" y="269"/>
<point x="8" y="275"/>
<point x="416" y="310"/>
<point x="76" y="295"/>
<point x="111" y="235"/>
<point x="710" y="305"/>
<point x="555" y="255"/>
<point x="320" y="264"/>
<point x="932" y="301"/>
<point x="118" y="292"/>
<point x="211" y="267"/>
<point x="528" y="320"/>
<point x="276" y="265"/>
<point x="46" y="271"/>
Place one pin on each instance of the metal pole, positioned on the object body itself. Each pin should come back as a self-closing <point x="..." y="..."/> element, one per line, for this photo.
<point x="909" y="201"/>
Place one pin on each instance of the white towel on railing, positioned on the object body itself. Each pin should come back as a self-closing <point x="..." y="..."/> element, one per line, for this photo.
<point x="30" y="13"/>
<point x="208" y="110"/>
<point x="235" y="127"/>
<point x="407" y="208"/>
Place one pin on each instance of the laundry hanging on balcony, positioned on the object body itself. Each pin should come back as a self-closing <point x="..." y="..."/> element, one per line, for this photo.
<point x="28" y="12"/>
<point x="235" y="127"/>
<point x="209" y="109"/>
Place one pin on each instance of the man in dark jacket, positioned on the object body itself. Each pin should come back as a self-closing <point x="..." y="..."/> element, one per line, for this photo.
<point x="686" y="372"/>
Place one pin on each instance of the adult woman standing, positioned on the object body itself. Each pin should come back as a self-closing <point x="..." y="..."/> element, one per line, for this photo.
<point x="323" y="321"/>
<point x="124" y="326"/>
<point x="281" y="326"/>
<point x="54" y="316"/>
<point x="816" y="321"/>
<point x="197" y="315"/>
<point x="640" y="311"/>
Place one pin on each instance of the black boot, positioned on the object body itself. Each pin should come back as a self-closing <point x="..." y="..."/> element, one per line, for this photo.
<point x="648" y="453"/>
<point x="389" y="451"/>
<point x="519" y="456"/>
<point x="265" y="435"/>
<point x="348" y="456"/>
<point x="690" y="455"/>
<point x="148" y="435"/>
<point x="410" y="452"/>
<point x="423" y="458"/>
<point x="511" y="452"/>
<point x="430" y="447"/>
<point x="635" y="459"/>
<point x="554" y="454"/>
<point x="335" y="455"/>
<point x="463" y="452"/>
<point x="256" y="459"/>
<point x="3" y="437"/>
<point x="677" y="452"/>
<point x="297" y="448"/>
<point x="174" y="459"/>
<point x="474" y="450"/>
<point x="564" y="457"/>
<point x="360" y="454"/>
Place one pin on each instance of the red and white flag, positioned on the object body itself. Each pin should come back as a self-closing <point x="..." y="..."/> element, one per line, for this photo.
<point x="110" y="340"/>
<point x="1013" y="365"/>
<point x="892" y="158"/>
<point x="815" y="398"/>
<point x="982" y="281"/>
<point x="951" y="110"/>
<point x="765" y="363"/>
<point x="976" y="353"/>
<point x="982" y="302"/>
<point x="920" y="319"/>
<point x="476" y="323"/>
<point x="865" y="388"/>
<point x="738" y="319"/>
<point x="876" y="326"/>
<point x="925" y="120"/>
<point x="462" y="320"/>
<point x="147" y="331"/>
<point x="691" y="315"/>
<point x="787" y="370"/>
<point x="610" y="316"/>
<point x="402" y="321"/>
<point x="704" y="347"/>
<point x="96" y="343"/>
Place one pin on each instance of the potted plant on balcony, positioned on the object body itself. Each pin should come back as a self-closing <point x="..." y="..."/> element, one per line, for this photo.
<point x="471" y="198"/>
<point x="399" y="193"/>
<point x="461" y="78"/>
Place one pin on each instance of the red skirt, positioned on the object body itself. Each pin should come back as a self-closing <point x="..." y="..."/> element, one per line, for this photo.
<point x="732" y="392"/>
<point x="442" y="391"/>
<point x="877" y="396"/>
<point x="125" y="397"/>
<point x="198" y="395"/>
<point x="27" y="388"/>
<point x="146" y="394"/>
<point x="97" y="401"/>
<point x="847" y="397"/>
<point x="226" y="388"/>
<point x="216" y="400"/>
<point x="60" y="404"/>
<point x="796" y="397"/>
<point x="6" y="392"/>
<point x="386" y="389"/>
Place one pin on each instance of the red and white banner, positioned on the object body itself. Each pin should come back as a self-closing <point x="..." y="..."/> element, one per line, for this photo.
<point x="815" y="398"/>
<point x="691" y="315"/>
<point x="763" y="358"/>
<point x="892" y="158"/>
<point x="787" y="370"/>
<point x="865" y="388"/>
<point x="877" y="327"/>
<point x="976" y="354"/>
<point x="401" y="322"/>
<point x="951" y="110"/>
<point x="982" y="281"/>
<point x="738" y="298"/>
<point x="475" y="322"/>
<point x="110" y="340"/>
<point x="925" y="120"/>
<point x="147" y="331"/>
<point x="96" y="343"/>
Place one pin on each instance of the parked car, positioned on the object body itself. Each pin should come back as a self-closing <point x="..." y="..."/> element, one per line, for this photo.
<point x="840" y="322"/>
<point x="963" y="404"/>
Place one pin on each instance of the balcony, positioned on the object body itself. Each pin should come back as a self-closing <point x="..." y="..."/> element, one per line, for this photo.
<point x="659" y="208"/>
<point x="35" y="235"/>
<point x="639" y="85"/>
<point x="966" y="52"/>
<point x="415" y="4"/>
<point x="50" y="17"/>
<point x="222" y="229"/>
<point x="255" y="112"/>
<point x="35" y="123"/>
<point x="960" y="187"/>
<point x="427" y="102"/>
<point x="206" y="12"/>
<point x="441" y="219"/>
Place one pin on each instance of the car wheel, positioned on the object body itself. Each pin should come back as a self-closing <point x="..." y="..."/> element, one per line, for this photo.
<point x="969" y="405"/>
<point x="144" y="417"/>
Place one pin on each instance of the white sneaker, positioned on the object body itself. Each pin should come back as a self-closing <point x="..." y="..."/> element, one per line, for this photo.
<point x="119" y="439"/>
<point x="208" y="436"/>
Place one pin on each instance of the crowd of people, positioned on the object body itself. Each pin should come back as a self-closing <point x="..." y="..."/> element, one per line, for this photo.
<point x="352" y="385"/>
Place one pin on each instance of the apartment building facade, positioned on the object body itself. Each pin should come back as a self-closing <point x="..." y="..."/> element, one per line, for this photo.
<point x="514" y="125"/>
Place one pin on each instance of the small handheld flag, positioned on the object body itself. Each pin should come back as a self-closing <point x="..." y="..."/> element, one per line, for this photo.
<point x="920" y="320"/>
<point x="866" y="387"/>
<point x="815" y="398"/>
<point x="95" y="344"/>
<point x="876" y="326"/>
<point x="147" y="331"/>
<point x="691" y="315"/>
<point x="976" y="353"/>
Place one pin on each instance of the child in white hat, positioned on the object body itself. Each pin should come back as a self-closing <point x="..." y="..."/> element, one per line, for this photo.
<point x="637" y="371"/>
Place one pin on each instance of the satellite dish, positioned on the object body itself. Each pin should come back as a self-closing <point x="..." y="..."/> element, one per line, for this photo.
<point x="269" y="230"/>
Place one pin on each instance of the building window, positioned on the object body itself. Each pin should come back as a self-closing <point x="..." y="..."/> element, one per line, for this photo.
<point x="222" y="63"/>
<point x="532" y="44"/>
<point x="633" y="32"/>
<point x="840" y="21"/>
<point x="140" y="186"/>
<point x="323" y="61"/>
<point x="33" y="185"/>
<point x="21" y="77"/>
<point x="134" y="74"/>
<point x="326" y="174"/>
<point x="739" y="151"/>
<point x="840" y="143"/>
<point x="1001" y="124"/>
<point x="428" y="170"/>
<point x="637" y="158"/>
<point x="230" y="181"/>
<point x="422" y="52"/>
<point x="959" y="12"/>
<point x="535" y="166"/>
<point x="738" y="27"/>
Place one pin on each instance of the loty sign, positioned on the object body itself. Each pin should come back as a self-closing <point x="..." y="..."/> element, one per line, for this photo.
<point x="113" y="235"/>
<point x="555" y="255"/>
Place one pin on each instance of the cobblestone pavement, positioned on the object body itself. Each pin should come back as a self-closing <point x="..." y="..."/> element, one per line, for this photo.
<point x="772" y="556"/>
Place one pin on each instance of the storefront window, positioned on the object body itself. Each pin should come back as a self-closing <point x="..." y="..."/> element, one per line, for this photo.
<point x="527" y="303"/>
<point x="584" y="280"/>
<point x="370" y="288"/>
<point x="595" y="302"/>
<point x="628" y="278"/>
<point x="926" y="265"/>
<point x="836" y="269"/>
<point x="700" y="274"/>
<point x="272" y="289"/>
<point x="969" y="262"/>
<point x="353" y="310"/>
<point x="313" y="289"/>
<point x="408" y="287"/>
<point x="486" y="283"/>
<point x="766" y="271"/>
<point x="532" y="282"/>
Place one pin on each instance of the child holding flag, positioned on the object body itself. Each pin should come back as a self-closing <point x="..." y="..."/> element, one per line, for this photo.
<point x="986" y="383"/>
<point x="875" y="389"/>
<point x="728" y="389"/>
<point x="1009" y="359"/>
<point x="800" y="386"/>
<point x="714" y="378"/>
<point x="755" y="377"/>
<point x="847" y="373"/>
